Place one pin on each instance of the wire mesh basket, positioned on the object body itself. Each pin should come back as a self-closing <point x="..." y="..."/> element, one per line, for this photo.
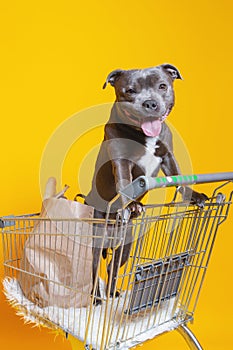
<point x="156" y="289"/>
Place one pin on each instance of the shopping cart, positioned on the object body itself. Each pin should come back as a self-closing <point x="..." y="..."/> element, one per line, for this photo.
<point x="155" y="291"/>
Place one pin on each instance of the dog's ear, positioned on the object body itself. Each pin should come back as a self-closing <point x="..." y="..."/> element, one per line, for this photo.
<point x="172" y="71"/>
<point x="111" y="78"/>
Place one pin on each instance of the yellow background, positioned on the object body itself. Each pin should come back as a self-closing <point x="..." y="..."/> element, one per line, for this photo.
<point x="55" y="56"/>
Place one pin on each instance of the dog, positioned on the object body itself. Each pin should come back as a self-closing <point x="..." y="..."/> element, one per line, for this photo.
<point x="137" y="141"/>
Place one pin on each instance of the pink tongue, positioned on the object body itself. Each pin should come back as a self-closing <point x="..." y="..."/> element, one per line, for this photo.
<point x="151" y="128"/>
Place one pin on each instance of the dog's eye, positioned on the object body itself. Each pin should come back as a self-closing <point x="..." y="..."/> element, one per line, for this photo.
<point x="162" y="87"/>
<point x="131" y="91"/>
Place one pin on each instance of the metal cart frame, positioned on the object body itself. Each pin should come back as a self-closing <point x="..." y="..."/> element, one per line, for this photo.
<point x="158" y="287"/>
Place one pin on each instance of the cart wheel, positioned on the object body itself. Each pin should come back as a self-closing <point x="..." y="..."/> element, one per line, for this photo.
<point x="189" y="337"/>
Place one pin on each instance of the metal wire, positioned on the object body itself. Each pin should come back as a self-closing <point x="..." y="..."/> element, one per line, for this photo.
<point x="159" y="285"/>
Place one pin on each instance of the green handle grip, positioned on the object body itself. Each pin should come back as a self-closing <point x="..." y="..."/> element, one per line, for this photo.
<point x="143" y="184"/>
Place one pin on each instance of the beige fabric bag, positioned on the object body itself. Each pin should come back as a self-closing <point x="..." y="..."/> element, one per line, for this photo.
<point x="56" y="265"/>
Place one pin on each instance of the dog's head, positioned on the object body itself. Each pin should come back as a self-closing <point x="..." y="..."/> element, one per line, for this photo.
<point x="145" y="96"/>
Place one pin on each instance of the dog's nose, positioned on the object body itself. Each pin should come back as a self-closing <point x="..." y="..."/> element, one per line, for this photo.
<point x="150" y="104"/>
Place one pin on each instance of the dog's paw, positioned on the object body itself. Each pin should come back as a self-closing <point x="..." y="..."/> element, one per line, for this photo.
<point x="116" y="294"/>
<point x="97" y="296"/>
<point x="97" y="301"/>
<point x="194" y="197"/>
<point x="199" y="199"/>
<point x="132" y="211"/>
<point x="135" y="208"/>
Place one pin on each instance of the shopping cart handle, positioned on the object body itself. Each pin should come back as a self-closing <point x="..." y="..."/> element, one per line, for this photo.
<point x="6" y="221"/>
<point x="143" y="184"/>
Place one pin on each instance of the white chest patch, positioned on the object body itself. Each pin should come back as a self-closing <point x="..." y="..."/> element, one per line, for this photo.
<point x="149" y="163"/>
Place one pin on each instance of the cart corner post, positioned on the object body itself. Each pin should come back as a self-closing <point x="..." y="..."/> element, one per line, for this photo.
<point x="189" y="337"/>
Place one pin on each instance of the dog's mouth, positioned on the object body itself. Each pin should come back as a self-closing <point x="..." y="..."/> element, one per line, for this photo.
<point x="151" y="126"/>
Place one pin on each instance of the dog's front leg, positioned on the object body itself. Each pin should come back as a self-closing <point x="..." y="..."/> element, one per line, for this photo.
<point x="170" y="167"/>
<point x="120" y="257"/>
<point x="95" y="267"/>
<point x="122" y="170"/>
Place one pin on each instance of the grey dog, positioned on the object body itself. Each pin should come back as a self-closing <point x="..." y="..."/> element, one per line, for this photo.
<point x="137" y="141"/>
